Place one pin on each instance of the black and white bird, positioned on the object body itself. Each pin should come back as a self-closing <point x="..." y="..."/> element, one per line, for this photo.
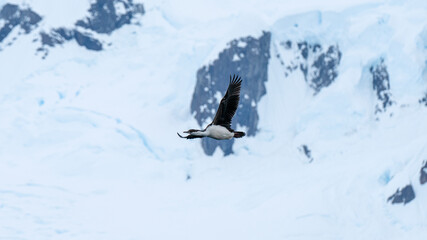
<point x="220" y="128"/>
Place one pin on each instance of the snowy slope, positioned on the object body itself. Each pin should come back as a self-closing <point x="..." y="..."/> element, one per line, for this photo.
<point x="88" y="138"/>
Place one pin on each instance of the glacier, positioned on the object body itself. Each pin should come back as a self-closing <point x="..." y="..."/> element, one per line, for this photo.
<point x="337" y="148"/>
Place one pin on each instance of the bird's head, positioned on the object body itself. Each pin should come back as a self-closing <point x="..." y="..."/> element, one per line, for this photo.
<point x="191" y="131"/>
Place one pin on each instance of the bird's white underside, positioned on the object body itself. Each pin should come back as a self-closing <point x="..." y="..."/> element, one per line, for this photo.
<point x="219" y="132"/>
<point x="215" y="131"/>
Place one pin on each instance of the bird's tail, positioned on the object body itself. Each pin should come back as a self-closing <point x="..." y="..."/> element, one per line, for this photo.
<point x="239" y="134"/>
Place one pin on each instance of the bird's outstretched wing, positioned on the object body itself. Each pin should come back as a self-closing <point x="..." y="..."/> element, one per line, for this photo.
<point x="229" y="103"/>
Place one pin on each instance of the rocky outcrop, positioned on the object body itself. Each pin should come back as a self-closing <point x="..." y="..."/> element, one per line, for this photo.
<point x="61" y="35"/>
<point x="247" y="57"/>
<point x="109" y="15"/>
<point x="318" y="64"/>
<point x="381" y="86"/>
<point x="105" y="17"/>
<point x="404" y="195"/>
<point x="11" y="16"/>
<point x="307" y="152"/>
<point x="424" y="100"/>
<point x="423" y="173"/>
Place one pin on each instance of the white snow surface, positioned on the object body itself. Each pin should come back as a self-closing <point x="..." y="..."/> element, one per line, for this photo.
<point x="88" y="145"/>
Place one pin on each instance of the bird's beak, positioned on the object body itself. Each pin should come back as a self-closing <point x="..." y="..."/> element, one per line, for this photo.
<point x="181" y="136"/>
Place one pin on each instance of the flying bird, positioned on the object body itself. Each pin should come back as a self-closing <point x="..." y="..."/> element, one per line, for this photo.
<point x="220" y="128"/>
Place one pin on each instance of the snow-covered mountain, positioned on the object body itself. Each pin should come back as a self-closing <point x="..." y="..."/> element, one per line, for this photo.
<point x="333" y="102"/>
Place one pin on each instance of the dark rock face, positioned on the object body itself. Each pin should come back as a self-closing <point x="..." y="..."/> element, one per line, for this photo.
<point x="61" y="35"/>
<point x="247" y="57"/>
<point x="404" y="196"/>
<point x="87" y="41"/>
<point x="381" y="85"/>
<point x="109" y="15"/>
<point x="423" y="173"/>
<point x="307" y="152"/>
<point x="319" y="66"/>
<point x="12" y="16"/>
<point x="106" y="16"/>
